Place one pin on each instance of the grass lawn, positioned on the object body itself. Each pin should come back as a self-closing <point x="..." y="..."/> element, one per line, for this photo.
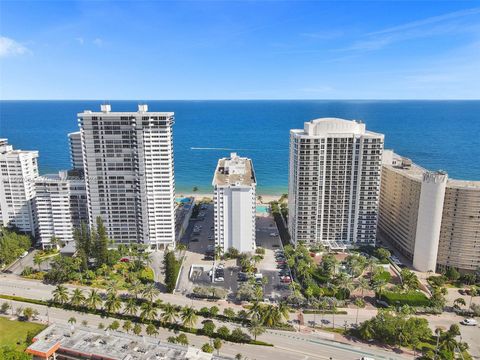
<point x="14" y="333"/>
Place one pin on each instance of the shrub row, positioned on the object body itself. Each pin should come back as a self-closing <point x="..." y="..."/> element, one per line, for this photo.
<point x="172" y="268"/>
<point x="232" y="337"/>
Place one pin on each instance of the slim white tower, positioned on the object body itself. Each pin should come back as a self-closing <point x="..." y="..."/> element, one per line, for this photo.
<point x="429" y="220"/>
<point x="76" y="156"/>
<point x="52" y="205"/>
<point x="18" y="169"/>
<point x="334" y="183"/>
<point x="234" y="199"/>
<point x="128" y="163"/>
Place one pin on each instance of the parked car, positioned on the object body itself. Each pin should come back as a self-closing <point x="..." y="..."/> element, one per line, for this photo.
<point x="469" y="322"/>
<point x="24" y="254"/>
<point x="273" y="234"/>
<point x="124" y="260"/>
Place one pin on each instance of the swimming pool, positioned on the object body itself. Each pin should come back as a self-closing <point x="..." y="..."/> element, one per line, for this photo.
<point x="262" y="209"/>
<point x="182" y="200"/>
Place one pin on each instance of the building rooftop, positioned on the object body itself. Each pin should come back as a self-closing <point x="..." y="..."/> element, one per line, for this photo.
<point x="333" y="126"/>
<point x="406" y="167"/>
<point x="234" y="171"/>
<point x="106" y="110"/>
<point x="110" y="344"/>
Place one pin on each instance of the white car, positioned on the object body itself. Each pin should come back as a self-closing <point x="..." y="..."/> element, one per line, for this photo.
<point x="273" y="234"/>
<point x="24" y="254"/>
<point x="469" y="322"/>
<point x="367" y="358"/>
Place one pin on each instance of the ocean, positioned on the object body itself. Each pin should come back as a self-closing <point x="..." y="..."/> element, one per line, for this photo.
<point x="435" y="134"/>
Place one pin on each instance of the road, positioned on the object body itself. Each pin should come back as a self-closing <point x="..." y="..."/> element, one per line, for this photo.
<point x="288" y="345"/>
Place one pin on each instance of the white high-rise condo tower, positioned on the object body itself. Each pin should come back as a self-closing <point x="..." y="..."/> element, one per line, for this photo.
<point x="76" y="156"/>
<point x="234" y="201"/>
<point x="334" y="183"/>
<point x="18" y="169"/>
<point x="128" y="164"/>
<point x="52" y="206"/>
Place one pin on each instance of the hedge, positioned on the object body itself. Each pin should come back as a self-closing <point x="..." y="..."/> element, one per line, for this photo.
<point x="172" y="268"/>
<point x="103" y="313"/>
<point x="411" y="298"/>
<point x="326" y="312"/>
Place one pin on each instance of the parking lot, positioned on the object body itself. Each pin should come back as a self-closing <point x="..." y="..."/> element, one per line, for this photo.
<point x="199" y="238"/>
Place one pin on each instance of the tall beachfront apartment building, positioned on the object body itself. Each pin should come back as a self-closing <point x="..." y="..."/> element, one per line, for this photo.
<point x="234" y="200"/>
<point x="128" y="164"/>
<point x="432" y="220"/>
<point x="18" y="169"/>
<point x="53" y="210"/>
<point x="76" y="154"/>
<point x="334" y="183"/>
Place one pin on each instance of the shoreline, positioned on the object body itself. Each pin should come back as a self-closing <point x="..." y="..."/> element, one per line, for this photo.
<point x="266" y="198"/>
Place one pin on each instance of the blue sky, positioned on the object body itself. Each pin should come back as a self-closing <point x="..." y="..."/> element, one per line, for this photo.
<point x="239" y="50"/>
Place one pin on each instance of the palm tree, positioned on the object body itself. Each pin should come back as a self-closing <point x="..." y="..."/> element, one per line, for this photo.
<point x="255" y="311"/>
<point x="359" y="303"/>
<point x="323" y="305"/>
<point x="379" y="286"/>
<point x="93" y="300"/>
<point x="169" y="314"/>
<point x="112" y="303"/>
<point x="151" y="330"/>
<point x="344" y="282"/>
<point x="72" y="320"/>
<point x="77" y="298"/>
<point x="37" y="260"/>
<point x="130" y="307"/>
<point x="60" y="294"/>
<point x="148" y="311"/>
<point x="363" y="284"/>
<point x="127" y="325"/>
<point x="284" y="310"/>
<point x="136" y="287"/>
<point x="271" y="315"/>
<point x="255" y="328"/>
<point x="150" y="292"/>
<point x="189" y="316"/>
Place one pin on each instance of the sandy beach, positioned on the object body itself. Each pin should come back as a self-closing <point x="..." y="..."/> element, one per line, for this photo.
<point x="199" y="196"/>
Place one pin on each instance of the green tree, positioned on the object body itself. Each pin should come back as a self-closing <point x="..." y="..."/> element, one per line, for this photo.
<point x="255" y="328"/>
<point x="229" y="313"/>
<point x="382" y="254"/>
<point x="360" y="304"/>
<point x="84" y="322"/>
<point x="223" y="331"/>
<point x="72" y="320"/>
<point x="115" y="325"/>
<point x="189" y="316"/>
<point x="130" y="307"/>
<point x="77" y="298"/>
<point x="127" y="326"/>
<point x="93" y="299"/>
<point x="409" y="280"/>
<point x="169" y="314"/>
<point x="208" y="328"/>
<point x="151" y="330"/>
<point x="207" y="348"/>
<point x="12" y="245"/>
<point x="459" y="301"/>
<point x="148" y="311"/>
<point x="101" y="243"/>
<point x="452" y="274"/>
<point x="112" y="303"/>
<point x="10" y="353"/>
<point x="137" y="329"/>
<point x="60" y="294"/>
<point x="182" y="339"/>
<point x="28" y="313"/>
<point x="150" y="292"/>
<point x="4" y="308"/>
<point x="217" y="344"/>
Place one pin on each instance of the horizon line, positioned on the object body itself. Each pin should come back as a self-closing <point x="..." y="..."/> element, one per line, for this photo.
<point x="246" y="99"/>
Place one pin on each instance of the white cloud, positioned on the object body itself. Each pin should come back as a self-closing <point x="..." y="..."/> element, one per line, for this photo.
<point x="80" y="40"/>
<point x="10" y="47"/>
<point x="464" y="21"/>
<point x="98" y="42"/>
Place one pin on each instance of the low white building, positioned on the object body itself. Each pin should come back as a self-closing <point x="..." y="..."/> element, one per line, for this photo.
<point x="18" y="169"/>
<point x="234" y="199"/>
<point x="53" y="212"/>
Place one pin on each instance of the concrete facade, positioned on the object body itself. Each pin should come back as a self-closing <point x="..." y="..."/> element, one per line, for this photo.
<point x="18" y="169"/>
<point x="128" y="165"/>
<point x="52" y="207"/>
<point x="432" y="220"/>
<point x="234" y="200"/>
<point x="334" y="183"/>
